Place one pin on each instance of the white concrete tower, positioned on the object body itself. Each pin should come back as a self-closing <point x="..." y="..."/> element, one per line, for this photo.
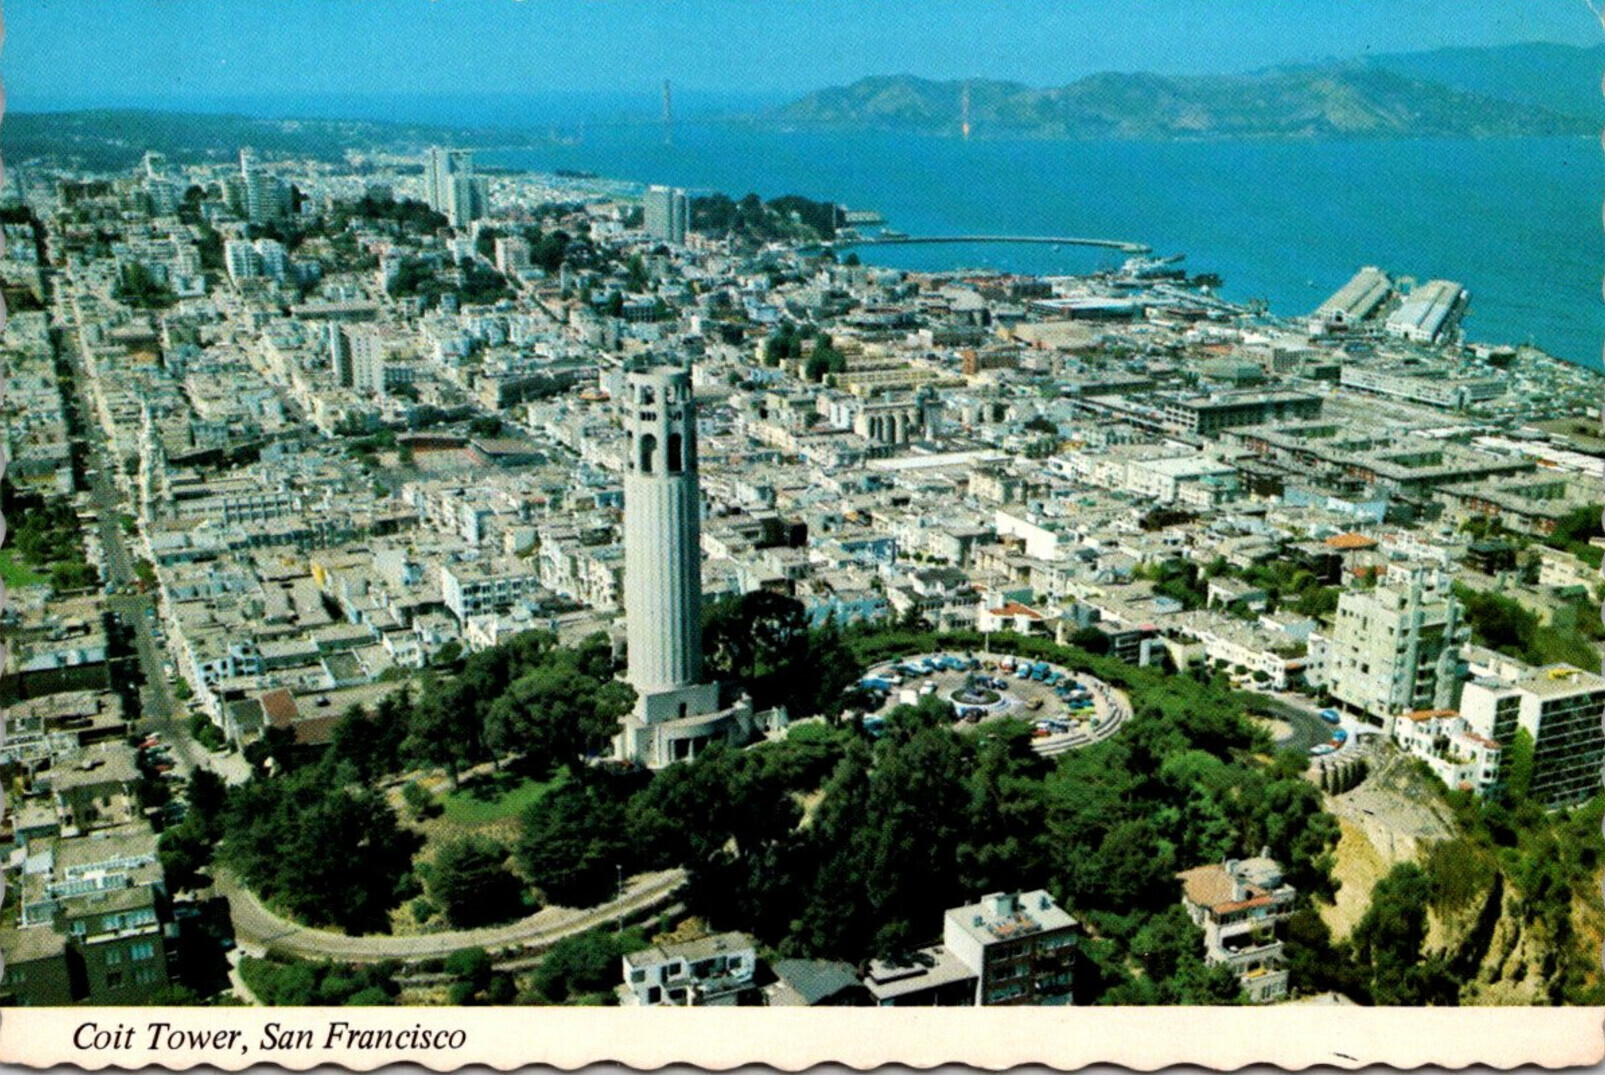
<point x="662" y="532"/>
<point x="676" y="713"/>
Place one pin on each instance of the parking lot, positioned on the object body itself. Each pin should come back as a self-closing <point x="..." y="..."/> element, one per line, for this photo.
<point x="1066" y="709"/>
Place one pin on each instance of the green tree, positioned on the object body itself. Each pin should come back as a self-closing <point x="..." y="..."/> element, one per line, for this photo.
<point x="474" y="971"/>
<point x="561" y="710"/>
<point x="445" y="728"/>
<point x="1389" y="939"/>
<point x="762" y="639"/>
<point x="139" y="288"/>
<point x="572" y="846"/>
<point x="635" y="276"/>
<point x="585" y="964"/>
<point x="472" y="883"/>
<point x="326" y="851"/>
<point x="1517" y="777"/>
<point x="824" y="360"/>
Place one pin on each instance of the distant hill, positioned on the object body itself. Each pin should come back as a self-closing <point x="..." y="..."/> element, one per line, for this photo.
<point x="1365" y="100"/>
<point x="1561" y="78"/>
<point x="113" y="139"/>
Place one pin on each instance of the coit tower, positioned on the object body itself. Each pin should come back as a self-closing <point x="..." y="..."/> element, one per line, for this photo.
<point x="662" y="532"/>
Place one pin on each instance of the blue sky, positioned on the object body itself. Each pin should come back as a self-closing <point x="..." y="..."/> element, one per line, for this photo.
<point x="75" y="52"/>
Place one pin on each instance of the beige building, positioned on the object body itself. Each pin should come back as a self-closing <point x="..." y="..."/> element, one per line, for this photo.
<point x="1241" y="905"/>
<point x="710" y="971"/>
<point x="1394" y="648"/>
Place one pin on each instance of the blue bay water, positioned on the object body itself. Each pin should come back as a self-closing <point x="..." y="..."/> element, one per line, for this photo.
<point x="1518" y="221"/>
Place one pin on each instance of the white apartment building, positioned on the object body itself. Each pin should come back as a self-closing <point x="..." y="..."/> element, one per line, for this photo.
<point x="711" y="971"/>
<point x="1394" y="648"/>
<point x="1020" y="946"/>
<point x="1453" y="749"/>
<point x="1561" y="707"/>
<point x="472" y="587"/>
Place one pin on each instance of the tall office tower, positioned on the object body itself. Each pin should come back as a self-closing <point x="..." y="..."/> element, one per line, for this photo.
<point x="666" y="212"/>
<point x="452" y="188"/>
<point x="675" y="712"/>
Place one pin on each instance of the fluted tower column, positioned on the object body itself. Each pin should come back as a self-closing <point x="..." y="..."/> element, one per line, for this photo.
<point x="662" y="532"/>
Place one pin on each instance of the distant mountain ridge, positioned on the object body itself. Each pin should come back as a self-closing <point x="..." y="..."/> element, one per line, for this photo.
<point x="1365" y="99"/>
<point x="1561" y="78"/>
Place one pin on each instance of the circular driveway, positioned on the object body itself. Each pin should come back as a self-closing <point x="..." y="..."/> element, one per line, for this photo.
<point x="1063" y="705"/>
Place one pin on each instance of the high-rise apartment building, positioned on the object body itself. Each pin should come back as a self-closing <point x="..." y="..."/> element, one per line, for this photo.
<point x="512" y="255"/>
<point x="666" y="214"/>
<point x="1395" y="648"/>
<point x="357" y="358"/>
<point x="452" y="188"/>
<point x="262" y="197"/>
<point x="241" y="259"/>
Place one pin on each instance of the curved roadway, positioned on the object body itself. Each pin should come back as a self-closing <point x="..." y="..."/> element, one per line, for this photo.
<point x="258" y="928"/>
<point x="1047" y="240"/>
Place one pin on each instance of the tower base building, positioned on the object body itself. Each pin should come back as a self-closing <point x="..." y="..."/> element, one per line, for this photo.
<point x="672" y="726"/>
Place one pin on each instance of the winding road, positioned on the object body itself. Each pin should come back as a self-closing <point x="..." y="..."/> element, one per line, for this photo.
<point x="258" y="930"/>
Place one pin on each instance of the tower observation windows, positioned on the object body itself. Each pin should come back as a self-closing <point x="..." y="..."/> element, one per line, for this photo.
<point x="649" y="448"/>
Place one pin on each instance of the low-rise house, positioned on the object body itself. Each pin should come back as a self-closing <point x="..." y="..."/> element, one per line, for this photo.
<point x="930" y="977"/>
<point x="716" y="970"/>
<point x="1459" y="755"/>
<point x="814" y="983"/>
<point x="1241" y="906"/>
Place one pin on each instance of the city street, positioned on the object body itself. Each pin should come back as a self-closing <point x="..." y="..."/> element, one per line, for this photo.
<point x="158" y="712"/>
